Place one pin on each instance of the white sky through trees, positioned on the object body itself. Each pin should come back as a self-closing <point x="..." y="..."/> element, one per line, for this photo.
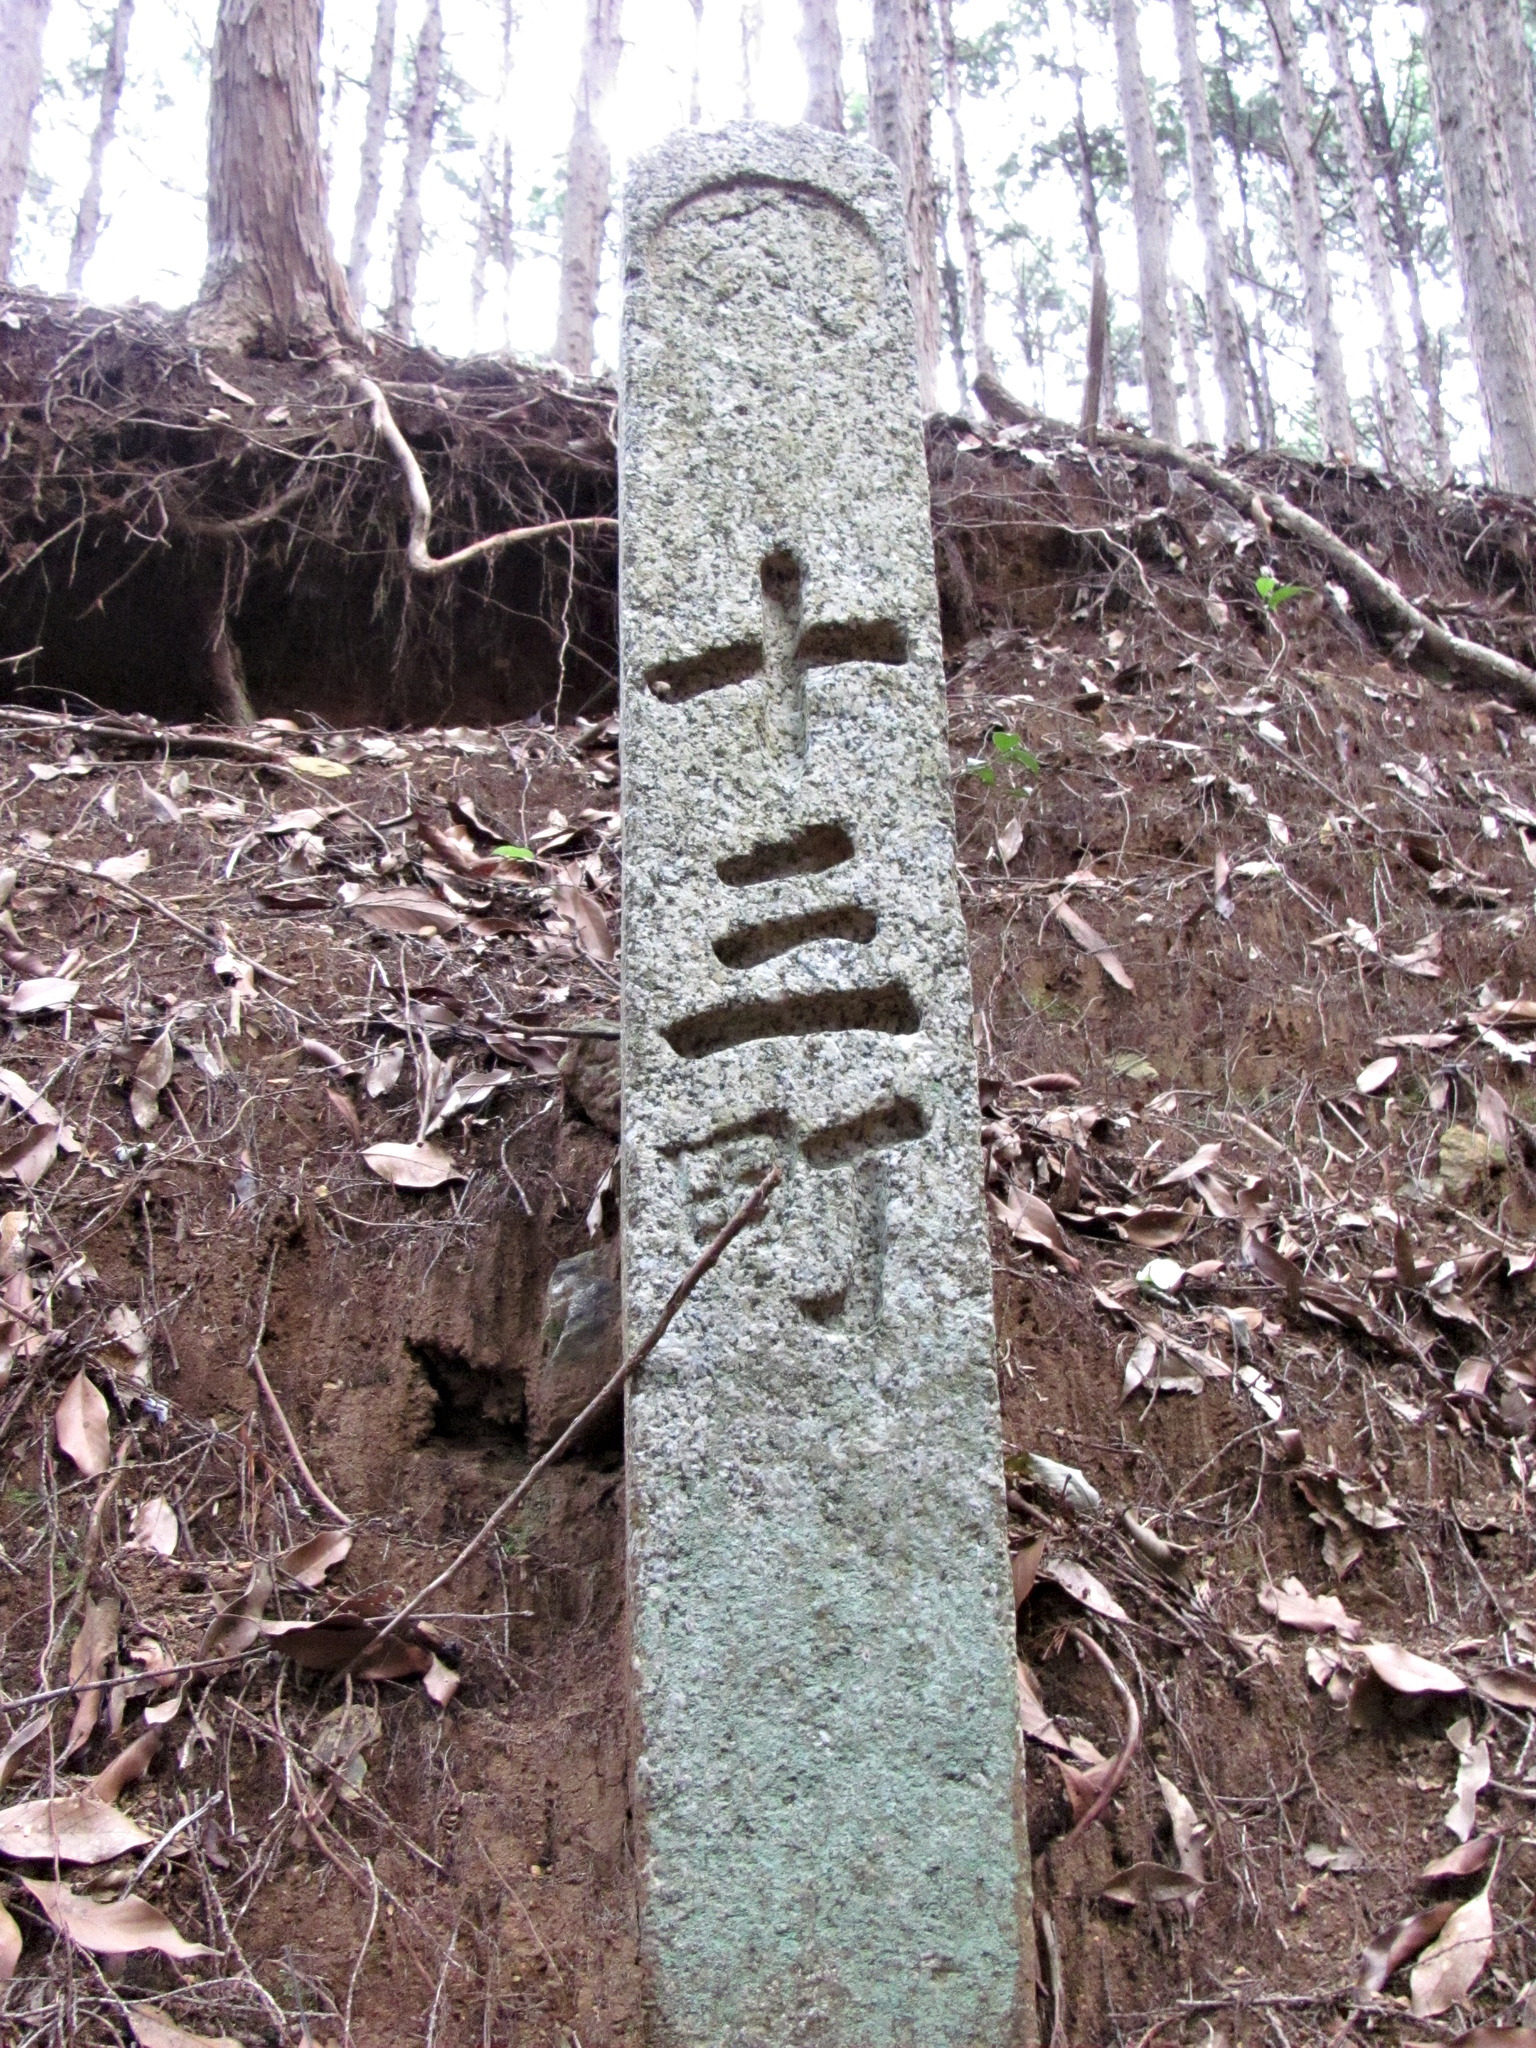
<point x="152" y="245"/>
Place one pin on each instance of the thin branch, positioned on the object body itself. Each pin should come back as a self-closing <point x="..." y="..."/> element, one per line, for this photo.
<point x="1109" y="1783"/>
<point x="749" y="1212"/>
<point x="1378" y="594"/>
<point x="312" y="1485"/>
<point x="423" y="563"/>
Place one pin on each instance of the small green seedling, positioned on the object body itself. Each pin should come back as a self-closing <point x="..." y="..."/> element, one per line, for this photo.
<point x="1273" y="593"/>
<point x="1012" y="750"/>
<point x="514" y="853"/>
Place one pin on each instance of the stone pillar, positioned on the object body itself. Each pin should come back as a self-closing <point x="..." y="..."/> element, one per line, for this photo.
<point x="827" y="1771"/>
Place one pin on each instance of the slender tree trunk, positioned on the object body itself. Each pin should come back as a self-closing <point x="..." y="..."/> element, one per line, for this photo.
<point x="1098" y="352"/>
<point x="1102" y="388"/>
<point x="1485" y="231"/>
<point x="493" y="225"/>
<point x="1404" y="443"/>
<point x="1149" y="204"/>
<point x="1220" y="307"/>
<point x="88" y="220"/>
<point x="751" y="55"/>
<point x="420" y="126"/>
<point x="954" y="314"/>
<point x="900" y="75"/>
<point x="698" y="53"/>
<point x="381" y="71"/>
<point x="1311" y="244"/>
<point x="1509" y="61"/>
<point x="586" y="190"/>
<point x="22" y="23"/>
<point x="821" y="51"/>
<point x="975" y="284"/>
<point x="1255" y="348"/>
<point x="1190" y="354"/>
<point x="1406" y="246"/>
<point x="272" y="277"/>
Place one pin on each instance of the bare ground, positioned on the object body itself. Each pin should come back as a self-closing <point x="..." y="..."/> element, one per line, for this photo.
<point x="1303" y="857"/>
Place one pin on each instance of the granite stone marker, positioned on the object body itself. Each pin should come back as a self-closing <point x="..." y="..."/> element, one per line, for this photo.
<point x="828" y="1784"/>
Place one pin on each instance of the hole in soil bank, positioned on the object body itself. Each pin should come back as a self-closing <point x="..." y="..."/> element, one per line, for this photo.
<point x="472" y="1406"/>
<point x="180" y="633"/>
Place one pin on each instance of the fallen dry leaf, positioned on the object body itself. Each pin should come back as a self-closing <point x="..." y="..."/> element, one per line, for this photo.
<point x="1150" y="1884"/>
<point x="316" y="765"/>
<point x="82" y="1424"/>
<point x="152" y="2029"/>
<point x="1199" y="1162"/>
<point x="1025" y="1565"/>
<point x="10" y="1946"/>
<point x="123" y="1929"/>
<point x="310" y="1561"/>
<point x="1446" y="1972"/>
<point x="1472" y="1775"/>
<point x="149" y="1077"/>
<point x="155" y="1527"/>
<point x="1294" y="1607"/>
<point x="30" y="1157"/>
<point x="45" y="992"/>
<point x="1189" y="1830"/>
<point x="1092" y="942"/>
<point x="1376" y="1076"/>
<point x="20" y="1743"/>
<point x="585" y="913"/>
<point x="1407" y="1673"/>
<point x="1033" y="1222"/>
<point x="75" y="1827"/>
<point x="1393" y="1947"/>
<point x="1424" y="960"/>
<point x="1503" y="1687"/>
<point x="95" y="1647"/>
<point x="383" y="1071"/>
<point x="411" y="1166"/>
<point x="1079" y="1584"/>
<point x="238" y="1626"/>
<point x="123" y="867"/>
<point x="405" y="911"/>
<point x="1465" y="1860"/>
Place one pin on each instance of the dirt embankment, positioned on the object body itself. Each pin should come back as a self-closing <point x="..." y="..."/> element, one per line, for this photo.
<point x="1251" y="907"/>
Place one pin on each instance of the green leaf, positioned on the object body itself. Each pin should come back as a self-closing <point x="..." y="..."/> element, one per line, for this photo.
<point x="981" y="772"/>
<point x="1275" y="594"/>
<point x="1012" y="748"/>
<point x="514" y="853"/>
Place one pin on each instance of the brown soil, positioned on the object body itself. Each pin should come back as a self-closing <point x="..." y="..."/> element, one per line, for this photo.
<point x="476" y="1883"/>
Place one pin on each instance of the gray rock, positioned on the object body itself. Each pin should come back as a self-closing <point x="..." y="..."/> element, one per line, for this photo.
<point x="827" y="1779"/>
<point x="590" y="1070"/>
<point x="581" y="1345"/>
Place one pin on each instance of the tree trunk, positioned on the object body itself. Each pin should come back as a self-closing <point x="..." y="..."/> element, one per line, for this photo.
<point x="1406" y="234"/>
<point x="88" y="219"/>
<point x="954" y="315"/>
<point x="21" y="82"/>
<point x="420" y="126"/>
<point x="899" y="87"/>
<point x="1255" y="348"/>
<point x="1485" y="231"/>
<point x="821" y="51"/>
<point x="1149" y="204"/>
<point x="381" y="72"/>
<point x="975" y="285"/>
<point x="1509" y="60"/>
<point x="1404" y="450"/>
<point x="751" y="53"/>
<point x="1098" y="352"/>
<point x="1220" y="307"/>
<point x="698" y="53"/>
<point x="272" y="277"/>
<point x="1101" y="388"/>
<point x="1311" y="245"/>
<point x="1191" y="355"/>
<point x="586" y="191"/>
<point x="493" y="224"/>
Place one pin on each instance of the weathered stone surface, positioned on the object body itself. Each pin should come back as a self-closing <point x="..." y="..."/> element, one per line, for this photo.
<point x="581" y="1344"/>
<point x="827" y="1777"/>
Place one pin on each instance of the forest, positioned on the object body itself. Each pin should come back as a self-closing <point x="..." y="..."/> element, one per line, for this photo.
<point x="317" y="1698"/>
<point x="1265" y="224"/>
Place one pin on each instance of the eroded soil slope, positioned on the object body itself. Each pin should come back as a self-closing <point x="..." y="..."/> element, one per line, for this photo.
<point x="1254" y="969"/>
